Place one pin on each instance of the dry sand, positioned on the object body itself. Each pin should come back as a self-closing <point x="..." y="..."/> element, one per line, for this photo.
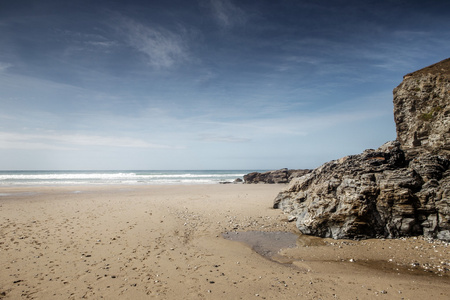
<point x="141" y="242"/>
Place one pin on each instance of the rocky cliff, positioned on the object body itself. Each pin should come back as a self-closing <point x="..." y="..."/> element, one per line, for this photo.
<point x="421" y="111"/>
<point x="400" y="189"/>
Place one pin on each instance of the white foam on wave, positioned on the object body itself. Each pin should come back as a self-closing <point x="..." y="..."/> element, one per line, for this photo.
<point x="65" y="176"/>
<point x="119" y="177"/>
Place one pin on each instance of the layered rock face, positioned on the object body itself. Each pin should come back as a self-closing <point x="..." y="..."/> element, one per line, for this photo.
<point x="278" y="176"/>
<point x="421" y="111"/>
<point x="400" y="189"/>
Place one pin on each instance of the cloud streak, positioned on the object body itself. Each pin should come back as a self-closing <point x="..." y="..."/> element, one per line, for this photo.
<point x="13" y="140"/>
<point x="162" y="47"/>
<point x="4" y="66"/>
<point x="227" y="14"/>
<point x="222" y="138"/>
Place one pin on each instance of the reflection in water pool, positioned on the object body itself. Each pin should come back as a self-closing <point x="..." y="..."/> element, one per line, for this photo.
<point x="266" y="244"/>
<point x="269" y="244"/>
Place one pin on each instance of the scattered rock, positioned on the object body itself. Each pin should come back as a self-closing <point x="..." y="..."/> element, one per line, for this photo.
<point x="278" y="176"/>
<point x="292" y="218"/>
<point x="237" y="180"/>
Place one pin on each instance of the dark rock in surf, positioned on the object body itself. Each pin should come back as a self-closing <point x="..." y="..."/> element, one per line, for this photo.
<point x="277" y="176"/>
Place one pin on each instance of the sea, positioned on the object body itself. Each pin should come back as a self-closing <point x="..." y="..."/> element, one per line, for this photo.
<point x="125" y="177"/>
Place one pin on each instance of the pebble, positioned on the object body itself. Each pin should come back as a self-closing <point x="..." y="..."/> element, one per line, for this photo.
<point x="292" y="218"/>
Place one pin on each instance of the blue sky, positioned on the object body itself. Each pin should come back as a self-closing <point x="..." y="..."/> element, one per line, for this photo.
<point x="206" y="84"/>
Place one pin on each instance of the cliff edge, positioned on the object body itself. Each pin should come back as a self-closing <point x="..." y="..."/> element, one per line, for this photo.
<point x="399" y="189"/>
<point x="421" y="111"/>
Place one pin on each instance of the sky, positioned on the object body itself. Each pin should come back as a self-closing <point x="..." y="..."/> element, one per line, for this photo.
<point x="205" y="84"/>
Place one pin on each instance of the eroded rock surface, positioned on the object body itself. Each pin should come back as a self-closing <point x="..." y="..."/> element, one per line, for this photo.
<point x="400" y="189"/>
<point x="422" y="110"/>
<point x="277" y="176"/>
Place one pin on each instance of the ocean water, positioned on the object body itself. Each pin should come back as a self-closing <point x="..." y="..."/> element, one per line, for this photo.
<point x="52" y="178"/>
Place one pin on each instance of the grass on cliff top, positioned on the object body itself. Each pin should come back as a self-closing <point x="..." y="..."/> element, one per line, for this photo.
<point x="442" y="67"/>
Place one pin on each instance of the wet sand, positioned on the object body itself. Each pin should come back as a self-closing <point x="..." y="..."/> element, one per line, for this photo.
<point x="168" y="242"/>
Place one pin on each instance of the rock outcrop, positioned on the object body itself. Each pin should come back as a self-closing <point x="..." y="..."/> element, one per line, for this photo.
<point x="422" y="110"/>
<point x="278" y="176"/>
<point x="400" y="189"/>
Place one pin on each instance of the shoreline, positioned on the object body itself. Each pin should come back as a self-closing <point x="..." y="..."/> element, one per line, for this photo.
<point x="117" y="177"/>
<point x="165" y="241"/>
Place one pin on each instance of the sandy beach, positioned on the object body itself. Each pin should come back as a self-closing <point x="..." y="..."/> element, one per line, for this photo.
<point x="167" y="242"/>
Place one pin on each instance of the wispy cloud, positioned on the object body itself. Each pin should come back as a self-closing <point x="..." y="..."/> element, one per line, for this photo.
<point x="162" y="47"/>
<point x="4" y="66"/>
<point x="227" y="14"/>
<point x="14" y="140"/>
<point x="222" y="138"/>
<point x="404" y="50"/>
<point x="88" y="40"/>
<point x="301" y="124"/>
